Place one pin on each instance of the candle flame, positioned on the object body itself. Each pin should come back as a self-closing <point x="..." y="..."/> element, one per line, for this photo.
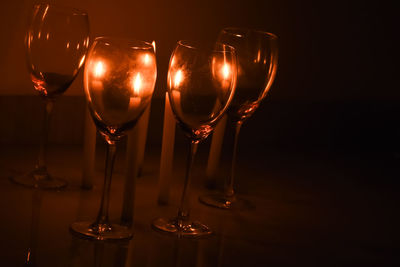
<point x="146" y="59"/>
<point x="154" y="45"/>
<point x="178" y="78"/>
<point x="226" y="71"/>
<point x="137" y="84"/>
<point x="99" y="69"/>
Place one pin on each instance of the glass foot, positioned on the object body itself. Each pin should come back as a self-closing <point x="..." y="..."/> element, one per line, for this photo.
<point x="104" y="232"/>
<point x="184" y="228"/>
<point x="39" y="179"/>
<point x="223" y="202"/>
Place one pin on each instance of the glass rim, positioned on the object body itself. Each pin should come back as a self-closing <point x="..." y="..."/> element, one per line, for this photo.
<point x="234" y="30"/>
<point x="189" y="44"/>
<point x="125" y="42"/>
<point x="63" y="9"/>
<point x="196" y="45"/>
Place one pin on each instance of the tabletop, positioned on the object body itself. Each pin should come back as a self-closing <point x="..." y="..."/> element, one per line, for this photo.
<point x="310" y="209"/>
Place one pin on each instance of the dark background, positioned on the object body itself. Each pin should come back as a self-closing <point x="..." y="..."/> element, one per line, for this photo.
<point x="335" y="89"/>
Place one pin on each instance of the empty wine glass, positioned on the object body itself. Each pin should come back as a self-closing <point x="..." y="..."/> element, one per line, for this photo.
<point x="56" y="44"/>
<point x="257" y="55"/>
<point x="200" y="85"/>
<point x="119" y="81"/>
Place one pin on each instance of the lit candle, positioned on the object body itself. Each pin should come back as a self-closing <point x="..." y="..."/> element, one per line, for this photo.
<point x="141" y="90"/>
<point x="135" y="99"/>
<point x="89" y="152"/>
<point x="215" y="152"/>
<point x="167" y="153"/>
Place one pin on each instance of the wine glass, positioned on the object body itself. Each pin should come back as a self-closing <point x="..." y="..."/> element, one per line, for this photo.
<point x="56" y="44"/>
<point x="119" y="81"/>
<point x="257" y="55"/>
<point x="201" y="84"/>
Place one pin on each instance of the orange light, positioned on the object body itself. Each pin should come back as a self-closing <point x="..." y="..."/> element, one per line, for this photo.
<point x="146" y="59"/>
<point x="82" y="61"/>
<point x="154" y="46"/>
<point x="99" y="69"/>
<point x="137" y="84"/>
<point x="178" y="78"/>
<point x="86" y="42"/>
<point x="45" y="12"/>
<point x="226" y="71"/>
<point x="258" y="56"/>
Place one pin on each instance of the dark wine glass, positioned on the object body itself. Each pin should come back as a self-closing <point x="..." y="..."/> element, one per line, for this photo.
<point x="257" y="54"/>
<point x="119" y="82"/>
<point x="201" y="84"/>
<point x="56" y="44"/>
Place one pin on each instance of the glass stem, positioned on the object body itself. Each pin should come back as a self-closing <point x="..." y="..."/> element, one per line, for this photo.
<point x="229" y="192"/>
<point x="102" y="217"/>
<point x="183" y="212"/>
<point x="48" y="111"/>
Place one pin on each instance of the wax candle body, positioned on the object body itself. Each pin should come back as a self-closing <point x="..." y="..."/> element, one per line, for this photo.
<point x="135" y="150"/>
<point x="167" y="153"/>
<point x="215" y="152"/>
<point x="89" y="152"/>
<point x="144" y="126"/>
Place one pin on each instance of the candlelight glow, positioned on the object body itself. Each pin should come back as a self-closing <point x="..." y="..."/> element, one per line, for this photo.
<point x="226" y="71"/>
<point x="137" y="84"/>
<point x="99" y="69"/>
<point x="146" y="59"/>
<point x="178" y="78"/>
<point x="223" y="73"/>
<point x="154" y="46"/>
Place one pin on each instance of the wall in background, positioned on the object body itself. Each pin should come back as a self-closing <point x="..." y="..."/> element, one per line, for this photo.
<point x="336" y="84"/>
<point x="328" y="51"/>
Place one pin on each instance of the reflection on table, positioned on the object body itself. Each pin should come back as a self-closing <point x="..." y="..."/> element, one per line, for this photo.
<point x="320" y="211"/>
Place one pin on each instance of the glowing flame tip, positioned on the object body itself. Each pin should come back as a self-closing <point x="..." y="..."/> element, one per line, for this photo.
<point x="137" y="83"/>
<point x="99" y="69"/>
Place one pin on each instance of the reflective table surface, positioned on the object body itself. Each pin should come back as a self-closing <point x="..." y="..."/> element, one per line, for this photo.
<point x="314" y="209"/>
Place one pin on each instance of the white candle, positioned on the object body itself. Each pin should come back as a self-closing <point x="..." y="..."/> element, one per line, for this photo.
<point x="89" y="151"/>
<point x="130" y="176"/>
<point x="167" y="153"/>
<point x="134" y="157"/>
<point x="215" y="151"/>
<point x="143" y="125"/>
